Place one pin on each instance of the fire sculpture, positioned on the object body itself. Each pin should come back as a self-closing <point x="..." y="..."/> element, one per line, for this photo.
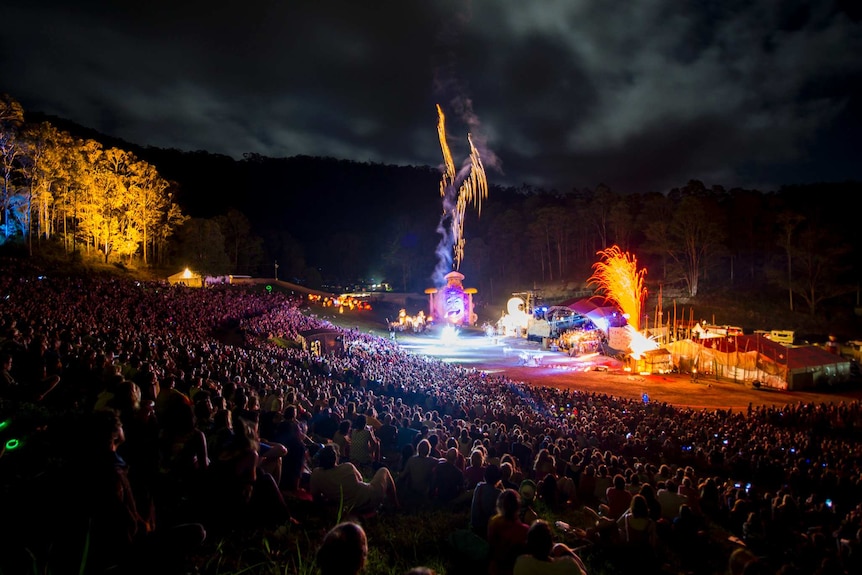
<point x="452" y="304"/>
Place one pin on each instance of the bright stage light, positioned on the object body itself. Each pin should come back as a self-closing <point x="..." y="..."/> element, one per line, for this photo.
<point x="449" y="335"/>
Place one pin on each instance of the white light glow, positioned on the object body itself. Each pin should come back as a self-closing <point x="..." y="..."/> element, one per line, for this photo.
<point x="639" y="343"/>
<point x="449" y="335"/>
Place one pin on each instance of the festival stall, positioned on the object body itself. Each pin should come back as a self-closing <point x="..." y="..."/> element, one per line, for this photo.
<point x="757" y="360"/>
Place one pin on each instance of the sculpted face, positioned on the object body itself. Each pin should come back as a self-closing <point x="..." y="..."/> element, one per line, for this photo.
<point x="454" y="306"/>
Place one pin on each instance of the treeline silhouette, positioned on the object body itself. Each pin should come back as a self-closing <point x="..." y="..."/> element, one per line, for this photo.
<point x="333" y="222"/>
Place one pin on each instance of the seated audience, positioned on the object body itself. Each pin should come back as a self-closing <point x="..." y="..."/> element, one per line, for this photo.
<point x="342" y="484"/>
<point x="544" y="557"/>
<point x="343" y="551"/>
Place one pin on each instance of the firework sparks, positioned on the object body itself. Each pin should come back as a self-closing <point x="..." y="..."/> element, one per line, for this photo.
<point x="618" y="276"/>
<point x="473" y="189"/>
<point x="448" y="179"/>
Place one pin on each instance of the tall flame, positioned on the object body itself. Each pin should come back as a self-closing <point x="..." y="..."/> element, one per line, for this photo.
<point x="448" y="179"/>
<point x="618" y="275"/>
<point x="473" y="189"/>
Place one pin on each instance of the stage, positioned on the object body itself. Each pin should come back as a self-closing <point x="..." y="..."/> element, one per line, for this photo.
<point x="523" y="360"/>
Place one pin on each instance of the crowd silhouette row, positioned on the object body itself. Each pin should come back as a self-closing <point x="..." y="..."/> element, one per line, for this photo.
<point x="177" y="413"/>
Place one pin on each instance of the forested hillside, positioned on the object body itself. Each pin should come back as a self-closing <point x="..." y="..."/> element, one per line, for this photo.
<point x="325" y="221"/>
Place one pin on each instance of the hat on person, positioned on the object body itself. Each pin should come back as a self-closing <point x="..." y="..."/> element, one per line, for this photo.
<point x="528" y="490"/>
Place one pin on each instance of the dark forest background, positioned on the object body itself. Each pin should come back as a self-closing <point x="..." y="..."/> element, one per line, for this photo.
<point x="339" y="224"/>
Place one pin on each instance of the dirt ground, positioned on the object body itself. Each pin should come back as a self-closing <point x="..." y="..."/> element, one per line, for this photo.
<point x="526" y="361"/>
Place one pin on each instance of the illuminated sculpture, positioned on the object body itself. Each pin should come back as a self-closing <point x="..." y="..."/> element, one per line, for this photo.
<point x="452" y="304"/>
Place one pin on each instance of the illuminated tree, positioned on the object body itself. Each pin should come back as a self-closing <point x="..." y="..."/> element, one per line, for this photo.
<point x="169" y="221"/>
<point x="11" y="120"/>
<point x="147" y="200"/>
<point x="101" y="198"/>
<point x="88" y="194"/>
<point x="44" y="168"/>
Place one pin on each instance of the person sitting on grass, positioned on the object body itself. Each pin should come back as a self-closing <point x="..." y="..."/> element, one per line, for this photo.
<point x="507" y="534"/>
<point x="544" y="557"/>
<point x="335" y="484"/>
<point x="447" y="488"/>
<point x="341" y="438"/>
<point x="637" y="529"/>
<point x="415" y="482"/>
<point x="32" y="389"/>
<point x="117" y="536"/>
<point x="364" y="446"/>
<point x="343" y="551"/>
<point x="484" y="502"/>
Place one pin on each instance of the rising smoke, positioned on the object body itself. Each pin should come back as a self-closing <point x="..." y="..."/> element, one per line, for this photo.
<point x="469" y="184"/>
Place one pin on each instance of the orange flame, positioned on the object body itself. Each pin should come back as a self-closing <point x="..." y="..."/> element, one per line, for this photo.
<point x="621" y="281"/>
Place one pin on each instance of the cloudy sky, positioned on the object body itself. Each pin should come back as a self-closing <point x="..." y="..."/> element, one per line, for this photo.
<point x="641" y="95"/>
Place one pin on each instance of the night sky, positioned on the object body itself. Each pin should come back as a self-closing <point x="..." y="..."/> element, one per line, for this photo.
<point x="558" y="94"/>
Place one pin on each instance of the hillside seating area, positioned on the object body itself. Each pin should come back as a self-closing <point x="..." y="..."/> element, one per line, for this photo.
<point x="218" y="438"/>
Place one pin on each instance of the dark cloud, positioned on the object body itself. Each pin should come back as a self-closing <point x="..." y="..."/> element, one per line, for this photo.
<point x="558" y="93"/>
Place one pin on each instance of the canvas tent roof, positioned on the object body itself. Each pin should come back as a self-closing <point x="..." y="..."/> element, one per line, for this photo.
<point x="185" y="274"/>
<point x="187" y="278"/>
<point x="590" y="309"/>
<point x="793" y="357"/>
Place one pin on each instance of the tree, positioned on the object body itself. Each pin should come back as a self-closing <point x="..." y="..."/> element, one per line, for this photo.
<point x="115" y="170"/>
<point x="402" y="256"/>
<point x="244" y="249"/>
<point x="821" y="262"/>
<point x="788" y="223"/>
<point x="202" y="247"/>
<point x="599" y="212"/>
<point x="506" y="242"/>
<point x="146" y="203"/>
<point x="11" y="120"/>
<point x="44" y="168"/>
<point x="695" y="235"/>
<point x="822" y="265"/>
<point x="549" y="234"/>
<point x="655" y="219"/>
<point x="169" y="221"/>
<point x="621" y="221"/>
<point x="289" y="253"/>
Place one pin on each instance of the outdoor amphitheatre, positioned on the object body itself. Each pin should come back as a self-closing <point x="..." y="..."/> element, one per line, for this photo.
<point x="772" y="474"/>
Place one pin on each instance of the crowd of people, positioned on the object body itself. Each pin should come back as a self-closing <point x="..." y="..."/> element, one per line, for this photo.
<point x="179" y="412"/>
